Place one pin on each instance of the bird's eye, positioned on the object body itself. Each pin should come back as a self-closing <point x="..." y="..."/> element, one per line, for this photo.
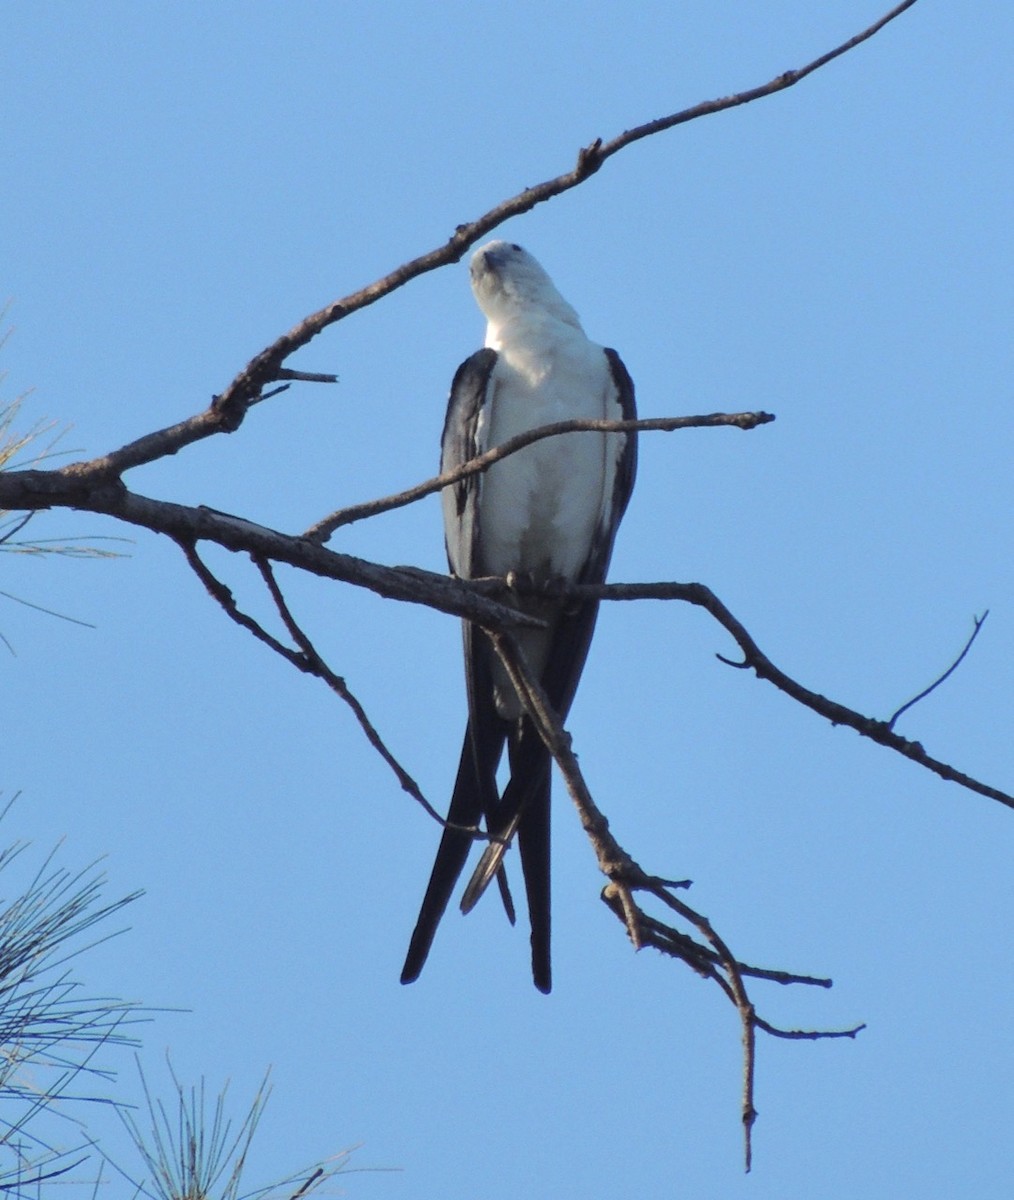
<point x="515" y="246"/>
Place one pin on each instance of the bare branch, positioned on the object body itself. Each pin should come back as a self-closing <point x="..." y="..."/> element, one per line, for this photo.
<point x="711" y="958"/>
<point x="185" y="523"/>
<point x="978" y="623"/>
<point x="663" y="938"/>
<point x="312" y="663"/>
<point x="234" y="400"/>
<point x="152" y="446"/>
<point x="476" y="600"/>
<point x="595" y="154"/>
<point x="808" y="1035"/>
<point x="166" y="442"/>
<point x="307" y="660"/>
<point x="322" y="530"/>
<point x="227" y="411"/>
<point x="223" y="596"/>
<point x="754" y="659"/>
<point x="306" y="376"/>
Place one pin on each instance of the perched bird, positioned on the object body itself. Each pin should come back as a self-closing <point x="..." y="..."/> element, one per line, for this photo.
<point x="547" y="513"/>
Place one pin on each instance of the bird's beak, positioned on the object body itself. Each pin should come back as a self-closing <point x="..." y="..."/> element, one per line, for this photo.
<point x="488" y="260"/>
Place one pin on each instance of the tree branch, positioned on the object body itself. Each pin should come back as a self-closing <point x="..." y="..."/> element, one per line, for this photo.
<point x="323" y="529"/>
<point x="311" y="662"/>
<point x="227" y="410"/>
<point x="307" y="660"/>
<point x="475" y="600"/>
<point x="185" y="523"/>
<point x="711" y="958"/>
<point x="262" y="369"/>
<point x="754" y="659"/>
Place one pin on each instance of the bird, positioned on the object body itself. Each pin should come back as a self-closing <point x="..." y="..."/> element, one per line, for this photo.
<point x="546" y="514"/>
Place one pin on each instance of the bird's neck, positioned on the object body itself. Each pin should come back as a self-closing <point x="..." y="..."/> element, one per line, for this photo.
<point x="529" y="329"/>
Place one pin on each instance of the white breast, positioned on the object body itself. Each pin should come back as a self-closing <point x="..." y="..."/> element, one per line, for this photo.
<point x="539" y="508"/>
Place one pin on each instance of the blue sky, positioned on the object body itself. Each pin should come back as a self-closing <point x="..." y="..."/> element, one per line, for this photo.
<point x="183" y="184"/>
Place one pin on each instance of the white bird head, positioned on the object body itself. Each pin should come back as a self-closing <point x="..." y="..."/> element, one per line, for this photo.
<point x="510" y="284"/>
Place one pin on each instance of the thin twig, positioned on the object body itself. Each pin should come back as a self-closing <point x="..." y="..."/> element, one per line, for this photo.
<point x="305" y="659"/>
<point x="312" y="663"/>
<point x="659" y="936"/>
<point x="306" y="376"/>
<point x="223" y="596"/>
<point x="978" y="622"/>
<point x="808" y="1035"/>
<point x="754" y="659"/>
<point x="744" y="1006"/>
<point x="323" y="529"/>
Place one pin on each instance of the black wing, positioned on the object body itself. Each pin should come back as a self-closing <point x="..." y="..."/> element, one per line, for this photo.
<point x="475" y="795"/>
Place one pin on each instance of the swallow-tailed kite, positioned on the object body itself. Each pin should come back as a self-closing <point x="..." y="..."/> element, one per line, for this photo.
<point x="547" y="513"/>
